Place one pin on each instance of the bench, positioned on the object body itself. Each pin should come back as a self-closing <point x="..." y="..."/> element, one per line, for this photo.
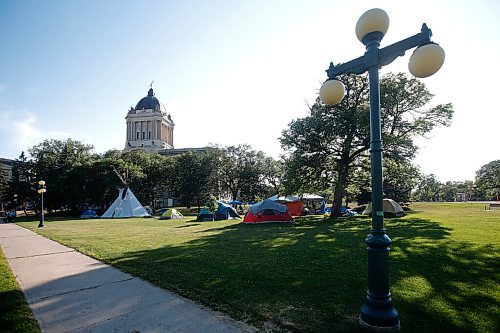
<point x="492" y="205"/>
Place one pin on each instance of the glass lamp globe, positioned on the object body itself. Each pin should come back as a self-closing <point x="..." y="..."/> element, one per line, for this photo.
<point x="41" y="183"/>
<point x="372" y="20"/>
<point x="332" y="92"/>
<point x="426" y="60"/>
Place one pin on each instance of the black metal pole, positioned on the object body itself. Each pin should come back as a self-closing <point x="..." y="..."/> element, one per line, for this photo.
<point x="378" y="313"/>
<point x="41" y="224"/>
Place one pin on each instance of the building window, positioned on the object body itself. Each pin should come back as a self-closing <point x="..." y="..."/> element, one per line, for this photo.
<point x="143" y="135"/>
<point x="137" y="136"/>
<point x="149" y="135"/>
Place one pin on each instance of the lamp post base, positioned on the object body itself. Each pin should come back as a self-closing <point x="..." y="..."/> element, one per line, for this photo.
<point x="371" y="328"/>
<point x="379" y="316"/>
<point x="41" y="224"/>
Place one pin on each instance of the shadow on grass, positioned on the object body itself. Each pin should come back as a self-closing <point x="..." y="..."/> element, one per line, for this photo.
<point x="16" y="314"/>
<point x="311" y="276"/>
<point x="190" y="225"/>
<point x="446" y="284"/>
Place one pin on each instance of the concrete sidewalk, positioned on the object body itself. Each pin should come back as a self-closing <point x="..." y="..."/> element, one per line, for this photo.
<point x="71" y="292"/>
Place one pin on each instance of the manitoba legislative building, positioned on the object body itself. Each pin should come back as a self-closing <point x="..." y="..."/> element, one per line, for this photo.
<point x="151" y="128"/>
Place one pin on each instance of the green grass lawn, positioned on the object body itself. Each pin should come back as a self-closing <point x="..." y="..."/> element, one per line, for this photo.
<point x="15" y="314"/>
<point x="312" y="276"/>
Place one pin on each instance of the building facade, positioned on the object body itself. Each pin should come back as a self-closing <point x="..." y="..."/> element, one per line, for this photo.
<point x="149" y="127"/>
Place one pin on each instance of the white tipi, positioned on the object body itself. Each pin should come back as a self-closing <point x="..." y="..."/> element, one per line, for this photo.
<point x="126" y="205"/>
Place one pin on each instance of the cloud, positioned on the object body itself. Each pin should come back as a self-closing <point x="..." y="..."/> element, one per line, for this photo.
<point x="19" y="132"/>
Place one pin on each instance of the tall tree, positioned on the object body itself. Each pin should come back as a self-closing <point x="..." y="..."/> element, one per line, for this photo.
<point x="334" y="139"/>
<point x="241" y="171"/>
<point x="52" y="159"/>
<point x="195" y="176"/>
<point x="272" y="172"/>
<point x="429" y="189"/>
<point x="400" y="178"/>
<point x="488" y="178"/>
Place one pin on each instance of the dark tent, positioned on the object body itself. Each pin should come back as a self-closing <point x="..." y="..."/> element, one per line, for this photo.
<point x="225" y="211"/>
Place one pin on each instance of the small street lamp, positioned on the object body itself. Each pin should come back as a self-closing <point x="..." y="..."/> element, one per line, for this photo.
<point x="378" y="313"/>
<point x="41" y="189"/>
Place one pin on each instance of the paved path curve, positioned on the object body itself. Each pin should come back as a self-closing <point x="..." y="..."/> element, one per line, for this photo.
<point x="71" y="292"/>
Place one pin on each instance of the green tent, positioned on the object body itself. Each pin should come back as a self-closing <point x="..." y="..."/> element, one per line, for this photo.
<point x="171" y="213"/>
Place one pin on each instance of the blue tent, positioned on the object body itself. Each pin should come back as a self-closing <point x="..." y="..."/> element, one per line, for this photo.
<point x="89" y="214"/>
<point x="205" y="215"/>
<point x="223" y="212"/>
<point x="235" y="202"/>
<point x="226" y="211"/>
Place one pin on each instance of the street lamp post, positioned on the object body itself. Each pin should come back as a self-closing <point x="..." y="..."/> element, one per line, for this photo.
<point x="378" y="313"/>
<point x="41" y="189"/>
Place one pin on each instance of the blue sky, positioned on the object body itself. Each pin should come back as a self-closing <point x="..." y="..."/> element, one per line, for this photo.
<point x="230" y="72"/>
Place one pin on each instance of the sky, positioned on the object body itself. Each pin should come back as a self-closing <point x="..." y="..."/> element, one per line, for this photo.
<point x="231" y="71"/>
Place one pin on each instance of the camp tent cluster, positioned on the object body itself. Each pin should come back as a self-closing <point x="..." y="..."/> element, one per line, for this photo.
<point x="297" y="206"/>
<point x="223" y="212"/>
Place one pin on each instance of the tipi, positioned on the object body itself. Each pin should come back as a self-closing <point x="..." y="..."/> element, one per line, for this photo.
<point x="126" y="205"/>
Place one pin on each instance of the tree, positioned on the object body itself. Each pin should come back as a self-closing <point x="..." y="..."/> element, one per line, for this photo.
<point x="333" y="139"/>
<point x="488" y="178"/>
<point x="241" y="172"/>
<point x="400" y="178"/>
<point x="156" y="175"/>
<point x="428" y="189"/>
<point x="272" y="176"/>
<point x="195" y="176"/>
<point x="52" y="161"/>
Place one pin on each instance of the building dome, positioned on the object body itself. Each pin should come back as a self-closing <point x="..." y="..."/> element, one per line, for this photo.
<point x="149" y="102"/>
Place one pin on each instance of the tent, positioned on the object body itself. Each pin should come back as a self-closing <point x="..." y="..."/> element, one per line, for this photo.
<point x="343" y="210"/>
<point x="223" y="212"/>
<point x="171" y="214"/>
<point x="89" y="214"/>
<point x="314" y="203"/>
<point x="267" y="211"/>
<point x="125" y="205"/>
<point x="391" y="209"/>
<point x="292" y="202"/>
<point x="205" y="215"/>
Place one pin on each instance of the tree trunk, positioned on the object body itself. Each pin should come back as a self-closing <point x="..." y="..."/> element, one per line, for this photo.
<point x="339" y="191"/>
<point x="234" y="194"/>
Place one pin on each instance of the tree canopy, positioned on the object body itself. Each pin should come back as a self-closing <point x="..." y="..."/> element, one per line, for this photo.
<point x="332" y="140"/>
<point x="488" y="179"/>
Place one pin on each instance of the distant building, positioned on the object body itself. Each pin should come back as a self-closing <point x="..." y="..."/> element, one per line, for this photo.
<point x="5" y="171"/>
<point x="6" y="167"/>
<point x="149" y="127"/>
<point x="461" y="197"/>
